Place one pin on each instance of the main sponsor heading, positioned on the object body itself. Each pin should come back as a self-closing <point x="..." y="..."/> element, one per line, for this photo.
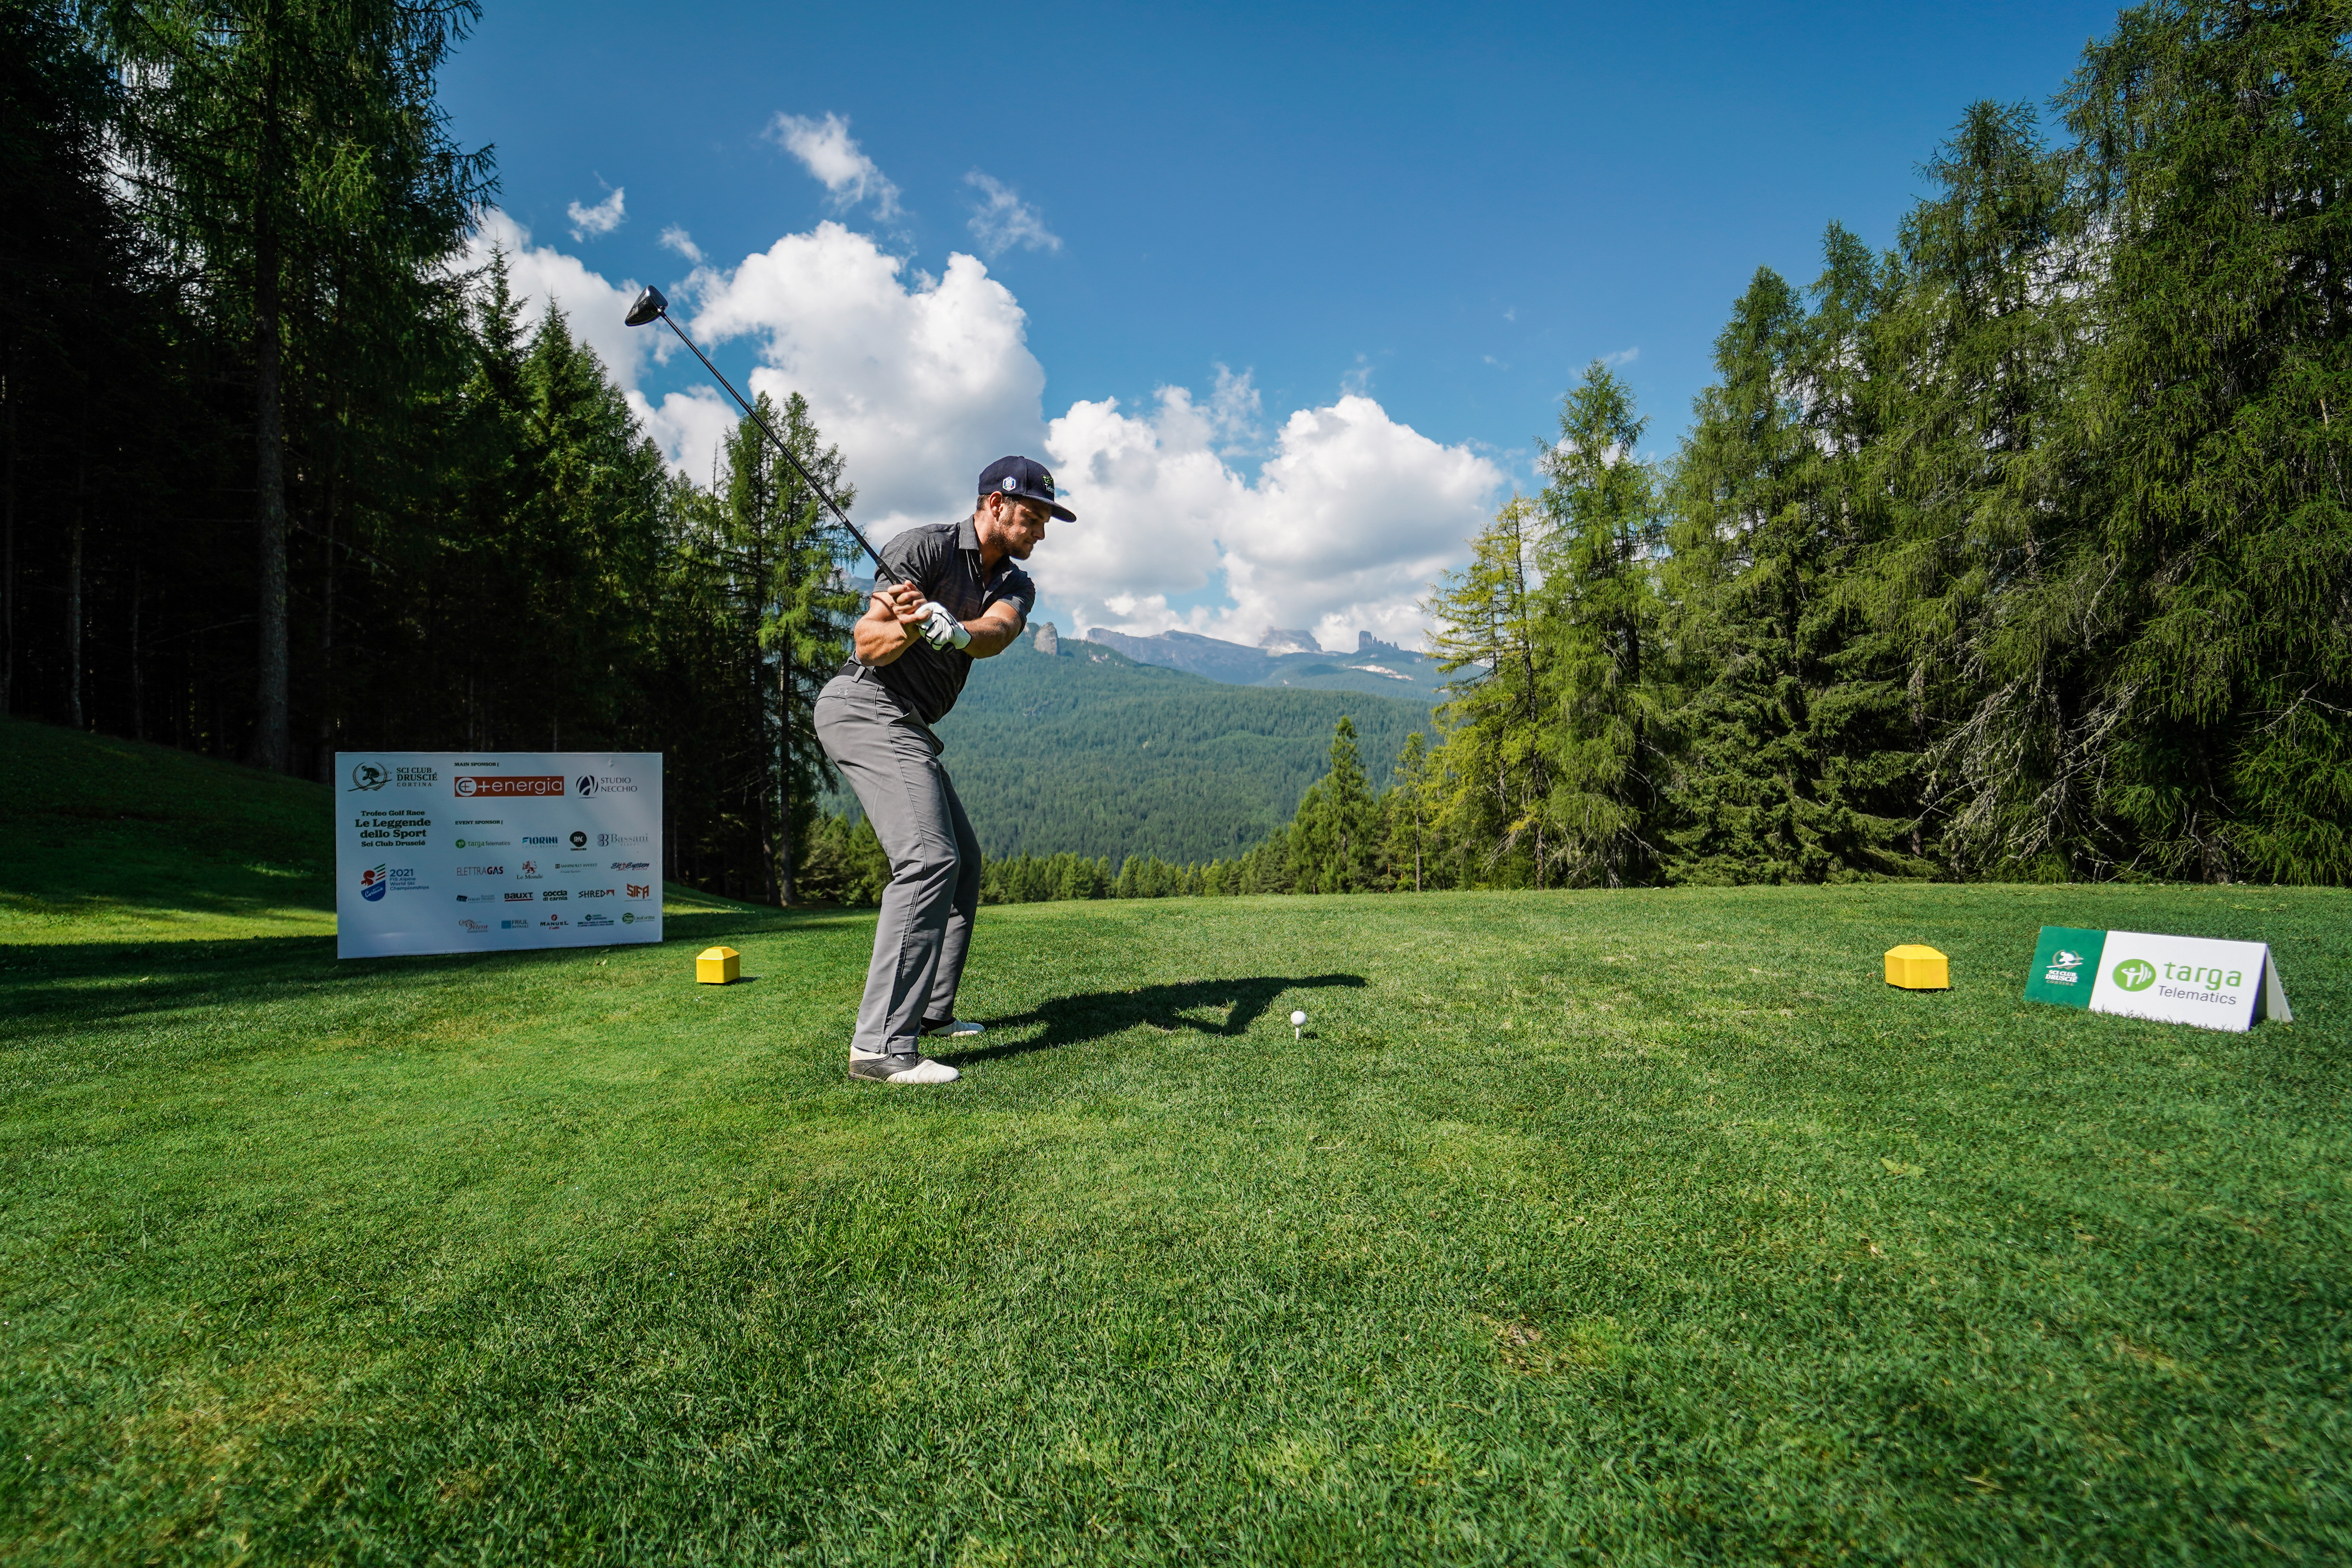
<point x="479" y="785"/>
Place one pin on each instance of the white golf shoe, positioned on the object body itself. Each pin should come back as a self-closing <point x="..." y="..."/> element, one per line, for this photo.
<point x="900" y="1067"/>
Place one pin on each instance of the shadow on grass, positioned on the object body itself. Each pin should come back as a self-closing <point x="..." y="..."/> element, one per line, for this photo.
<point x="713" y="925"/>
<point x="109" y="981"/>
<point x="1070" y="1019"/>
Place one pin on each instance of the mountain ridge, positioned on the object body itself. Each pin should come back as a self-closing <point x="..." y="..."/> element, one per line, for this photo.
<point x="1376" y="669"/>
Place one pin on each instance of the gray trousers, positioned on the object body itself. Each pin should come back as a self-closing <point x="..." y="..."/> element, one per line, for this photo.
<point x="891" y="760"/>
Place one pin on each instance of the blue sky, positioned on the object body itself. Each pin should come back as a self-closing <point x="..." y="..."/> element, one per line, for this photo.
<point x="1447" y="211"/>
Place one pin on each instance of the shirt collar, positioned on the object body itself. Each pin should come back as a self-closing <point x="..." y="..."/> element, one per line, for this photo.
<point x="968" y="538"/>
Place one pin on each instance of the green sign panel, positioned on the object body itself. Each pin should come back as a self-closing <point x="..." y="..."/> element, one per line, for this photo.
<point x="2065" y="965"/>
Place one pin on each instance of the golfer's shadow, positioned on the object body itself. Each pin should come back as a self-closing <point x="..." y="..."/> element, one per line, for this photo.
<point x="1204" y="1006"/>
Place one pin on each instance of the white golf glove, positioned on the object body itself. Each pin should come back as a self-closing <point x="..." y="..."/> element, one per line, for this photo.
<point x="940" y="630"/>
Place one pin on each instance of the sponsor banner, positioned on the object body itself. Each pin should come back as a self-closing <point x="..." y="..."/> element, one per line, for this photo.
<point x="2172" y="979"/>
<point x="426" y="841"/>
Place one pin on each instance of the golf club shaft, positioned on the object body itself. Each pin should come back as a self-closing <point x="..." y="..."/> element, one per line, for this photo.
<point x="880" y="569"/>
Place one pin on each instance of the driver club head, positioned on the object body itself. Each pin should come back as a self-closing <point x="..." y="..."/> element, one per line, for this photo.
<point x="649" y="304"/>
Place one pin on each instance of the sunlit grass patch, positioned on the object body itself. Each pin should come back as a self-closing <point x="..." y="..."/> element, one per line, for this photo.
<point x="1590" y="1226"/>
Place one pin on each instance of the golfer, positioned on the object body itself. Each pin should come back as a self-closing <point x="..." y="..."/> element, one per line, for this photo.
<point x="960" y="596"/>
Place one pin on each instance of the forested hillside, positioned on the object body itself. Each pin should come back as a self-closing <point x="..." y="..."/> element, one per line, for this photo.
<point x="1090" y="753"/>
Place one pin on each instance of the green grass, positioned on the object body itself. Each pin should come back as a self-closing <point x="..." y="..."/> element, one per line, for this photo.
<point x="1633" y="1228"/>
<point x="113" y="840"/>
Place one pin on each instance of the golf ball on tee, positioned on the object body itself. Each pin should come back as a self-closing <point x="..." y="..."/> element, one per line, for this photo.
<point x="1298" y="1020"/>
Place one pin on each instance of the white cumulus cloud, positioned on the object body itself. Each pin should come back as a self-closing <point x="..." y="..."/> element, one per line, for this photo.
<point x="1002" y="220"/>
<point x="602" y="218"/>
<point x="541" y="276"/>
<point x="677" y="239"/>
<point x="827" y="151"/>
<point x="923" y="380"/>
<point x="689" y="427"/>
<point x="1343" y="528"/>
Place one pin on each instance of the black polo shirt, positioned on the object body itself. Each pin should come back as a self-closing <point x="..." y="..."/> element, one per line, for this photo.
<point x="942" y="559"/>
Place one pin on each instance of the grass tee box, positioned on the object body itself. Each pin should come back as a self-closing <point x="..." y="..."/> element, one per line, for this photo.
<point x="2178" y="979"/>
<point x="1639" y="1227"/>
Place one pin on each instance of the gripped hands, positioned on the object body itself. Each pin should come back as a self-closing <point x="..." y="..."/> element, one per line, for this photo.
<point x="903" y="603"/>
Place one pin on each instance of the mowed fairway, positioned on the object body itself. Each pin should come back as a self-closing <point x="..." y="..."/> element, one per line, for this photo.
<point x="1630" y="1228"/>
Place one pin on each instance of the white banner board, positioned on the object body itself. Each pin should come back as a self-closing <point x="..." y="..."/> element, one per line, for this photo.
<point x="475" y="851"/>
<point x="2173" y="979"/>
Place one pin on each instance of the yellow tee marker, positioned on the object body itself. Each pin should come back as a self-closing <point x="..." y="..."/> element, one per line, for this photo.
<point x="718" y="966"/>
<point x="1918" y="968"/>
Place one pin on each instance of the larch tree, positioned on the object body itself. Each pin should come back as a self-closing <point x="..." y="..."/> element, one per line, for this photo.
<point x="2209" y="590"/>
<point x="1988" y="306"/>
<point x="1490" y="751"/>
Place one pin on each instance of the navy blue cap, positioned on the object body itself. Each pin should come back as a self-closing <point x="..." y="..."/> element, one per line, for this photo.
<point x="1028" y="478"/>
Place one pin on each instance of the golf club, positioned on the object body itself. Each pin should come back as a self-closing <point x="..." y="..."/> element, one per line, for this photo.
<point x="650" y="304"/>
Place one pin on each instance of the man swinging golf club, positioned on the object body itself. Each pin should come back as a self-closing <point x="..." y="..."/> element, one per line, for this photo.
<point x="959" y="597"/>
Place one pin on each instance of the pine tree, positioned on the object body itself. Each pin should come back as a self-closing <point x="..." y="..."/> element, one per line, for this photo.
<point x="587" y="535"/>
<point x="1335" y="837"/>
<point x="1406" y="806"/>
<point x="294" y="153"/>
<point x="1793" y="765"/>
<point x="1600" y="615"/>
<point x="1740" y="569"/>
<point x="1870" y="756"/>
<point x="806" y="632"/>
<point x="1977" y="349"/>
<point x="792" y="606"/>
<point x="80" y="385"/>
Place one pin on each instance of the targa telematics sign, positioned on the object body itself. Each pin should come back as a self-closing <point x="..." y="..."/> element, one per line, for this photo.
<point x="2175" y="979"/>
<point x="453" y="851"/>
